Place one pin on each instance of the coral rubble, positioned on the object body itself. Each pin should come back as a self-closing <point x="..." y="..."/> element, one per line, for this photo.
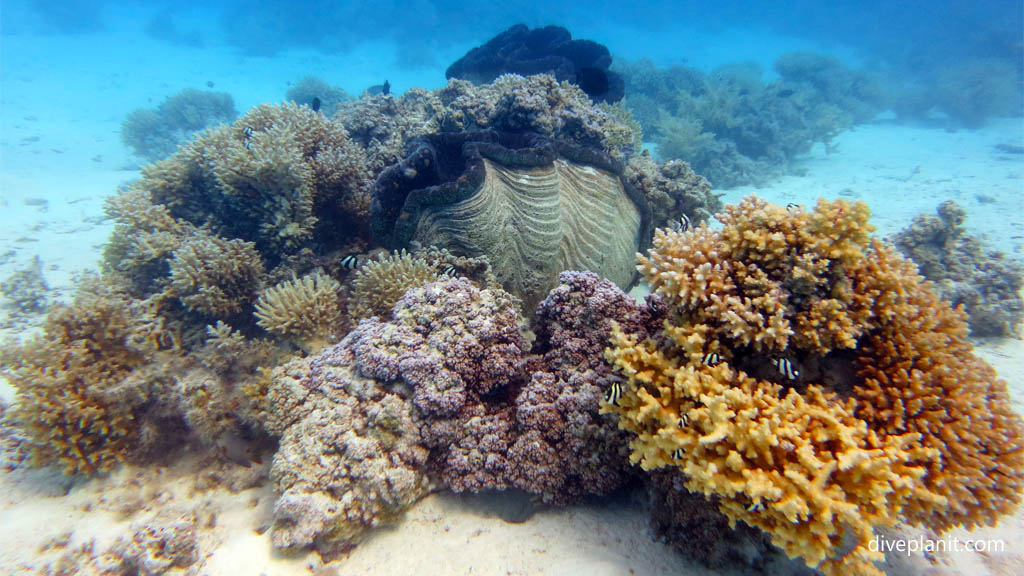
<point x="809" y="380"/>
<point x="985" y="282"/>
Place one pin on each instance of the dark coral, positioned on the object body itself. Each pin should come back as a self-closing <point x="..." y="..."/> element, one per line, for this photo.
<point x="548" y="50"/>
<point x="985" y="282"/>
<point x="736" y="129"/>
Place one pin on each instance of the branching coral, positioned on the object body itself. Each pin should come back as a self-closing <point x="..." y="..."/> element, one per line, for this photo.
<point x="214" y="276"/>
<point x="985" y="282"/>
<point x="82" y="384"/>
<point x="304" y="310"/>
<point x="672" y="189"/>
<point x="379" y="284"/>
<point x="281" y="176"/>
<point x="881" y="413"/>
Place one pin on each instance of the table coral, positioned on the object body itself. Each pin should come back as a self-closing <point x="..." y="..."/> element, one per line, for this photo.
<point x="887" y="417"/>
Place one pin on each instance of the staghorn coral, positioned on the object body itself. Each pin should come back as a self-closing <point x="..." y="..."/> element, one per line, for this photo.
<point x="214" y="276"/>
<point x="282" y="177"/>
<point x="891" y="417"/>
<point x="304" y="310"/>
<point x="378" y="284"/>
<point x="350" y="456"/>
<point x="984" y="282"/>
<point x="83" y="384"/>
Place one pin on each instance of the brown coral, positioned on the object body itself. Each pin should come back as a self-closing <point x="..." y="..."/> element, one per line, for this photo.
<point x="82" y="384"/>
<point x="271" y="178"/>
<point x="888" y="416"/>
<point x="379" y="284"/>
<point x="304" y="310"/>
<point x="214" y="276"/>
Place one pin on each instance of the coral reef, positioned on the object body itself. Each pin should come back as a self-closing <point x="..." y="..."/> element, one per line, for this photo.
<point x="735" y="129"/>
<point x="283" y="177"/>
<point x="984" y="282"/>
<point x="84" y="384"/>
<point x="25" y="289"/>
<point x="310" y="87"/>
<point x="556" y="411"/>
<point x="548" y="50"/>
<point x="350" y="456"/>
<point x="378" y="284"/>
<point x="809" y="380"/>
<point x="672" y="189"/>
<point x="156" y="134"/>
<point x="304" y="310"/>
<point x="529" y="204"/>
<point x="214" y="276"/>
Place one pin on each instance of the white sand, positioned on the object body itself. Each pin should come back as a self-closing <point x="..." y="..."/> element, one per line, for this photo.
<point x="60" y="120"/>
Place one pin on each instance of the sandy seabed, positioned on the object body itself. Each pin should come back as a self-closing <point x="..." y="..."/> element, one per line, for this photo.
<point x="900" y="171"/>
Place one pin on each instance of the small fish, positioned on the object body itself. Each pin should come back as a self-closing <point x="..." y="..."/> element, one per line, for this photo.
<point x="386" y="88"/>
<point x="614" y="393"/>
<point x="316" y="104"/>
<point x="680" y="225"/>
<point x="246" y="136"/>
<point x="678" y="453"/>
<point x="350" y="262"/>
<point x="785" y="367"/>
<point x="711" y="358"/>
<point x="448" y="270"/>
<point x="793" y="206"/>
<point x="209" y="83"/>
<point x="683" y="421"/>
<point x="755" y="507"/>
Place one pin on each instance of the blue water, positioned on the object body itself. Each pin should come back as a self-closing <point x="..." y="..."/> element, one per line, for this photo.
<point x="70" y="72"/>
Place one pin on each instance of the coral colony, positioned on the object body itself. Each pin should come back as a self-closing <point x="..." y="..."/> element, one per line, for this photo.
<point x="382" y="299"/>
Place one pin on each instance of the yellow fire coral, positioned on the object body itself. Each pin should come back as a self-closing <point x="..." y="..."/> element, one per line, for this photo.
<point x="810" y="380"/>
<point x="304" y="310"/>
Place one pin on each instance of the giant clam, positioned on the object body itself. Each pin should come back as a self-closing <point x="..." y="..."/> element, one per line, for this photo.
<point x="533" y="206"/>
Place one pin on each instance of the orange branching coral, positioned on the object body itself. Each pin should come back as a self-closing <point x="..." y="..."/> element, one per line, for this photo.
<point x="808" y="379"/>
<point x="919" y="375"/>
<point x="80" y="384"/>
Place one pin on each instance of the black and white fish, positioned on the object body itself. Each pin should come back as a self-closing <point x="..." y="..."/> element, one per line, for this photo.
<point x="793" y="206"/>
<point x="678" y="453"/>
<point x="680" y="225"/>
<point x="786" y="368"/>
<point x="683" y="421"/>
<point x="614" y="393"/>
<point x="755" y="507"/>
<point x="711" y="358"/>
<point x="448" y="270"/>
<point x="350" y="262"/>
